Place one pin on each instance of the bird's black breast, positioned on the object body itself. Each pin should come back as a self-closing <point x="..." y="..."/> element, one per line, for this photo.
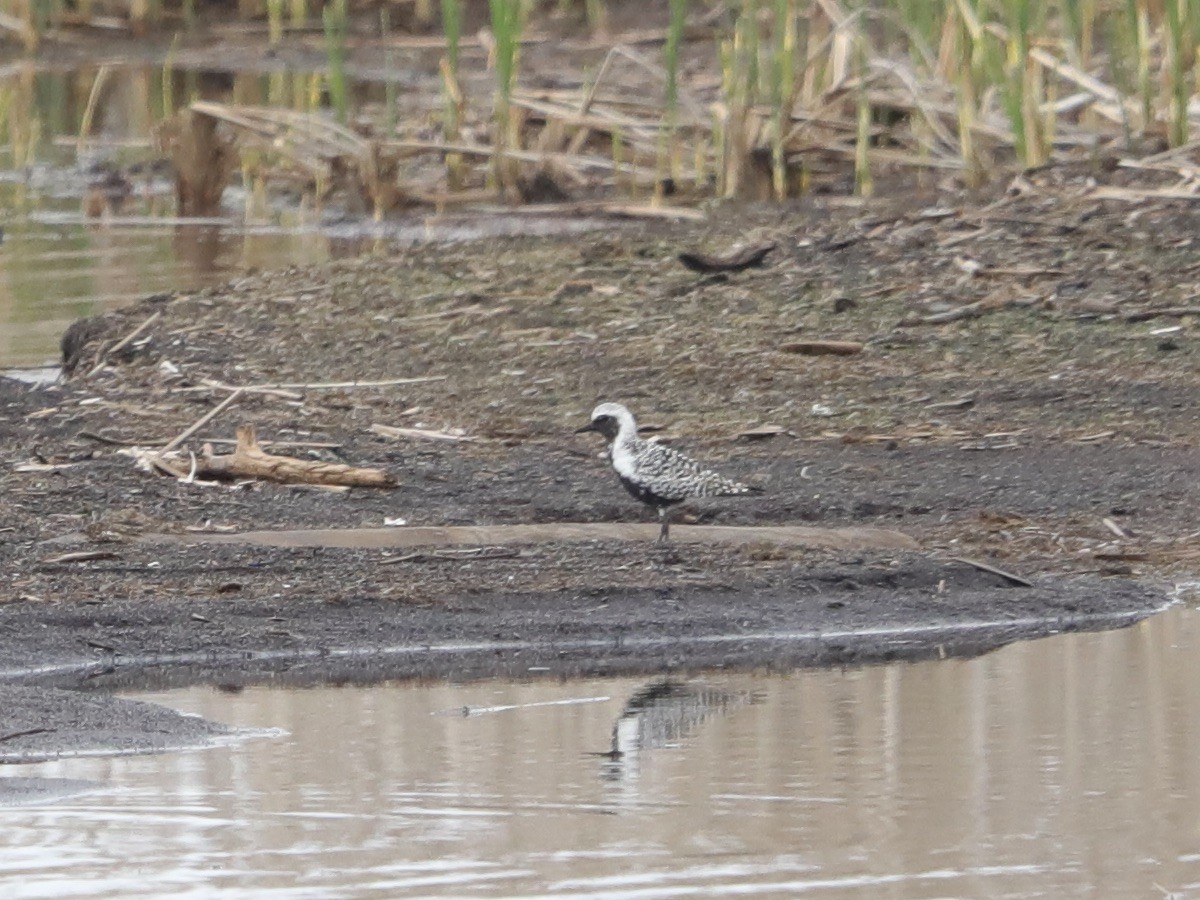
<point x="643" y="493"/>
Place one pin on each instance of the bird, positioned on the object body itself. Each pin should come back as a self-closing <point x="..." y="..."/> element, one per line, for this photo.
<point x="658" y="476"/>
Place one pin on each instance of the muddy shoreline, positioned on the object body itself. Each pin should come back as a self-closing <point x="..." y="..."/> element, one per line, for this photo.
<point x="911" y="608"/>
<point x="907" y="609"/>
<point x="1031" y="407"/>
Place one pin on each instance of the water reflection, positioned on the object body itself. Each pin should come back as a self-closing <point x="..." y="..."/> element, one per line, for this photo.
<point x="662" y="714"/>
<point x="87" y="205"/>
<point x="1062" y="767"/>
<point x="87" y="208"/>
<point x="54" y="272"/>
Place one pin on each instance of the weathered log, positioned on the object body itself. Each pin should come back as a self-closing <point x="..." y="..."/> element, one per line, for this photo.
<point x="249" y="460"/>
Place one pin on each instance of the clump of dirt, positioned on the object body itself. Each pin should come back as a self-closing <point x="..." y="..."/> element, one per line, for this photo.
<point x="1024" y="395"/>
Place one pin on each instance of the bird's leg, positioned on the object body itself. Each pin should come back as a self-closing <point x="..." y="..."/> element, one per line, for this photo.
<point x="664" y="516"/>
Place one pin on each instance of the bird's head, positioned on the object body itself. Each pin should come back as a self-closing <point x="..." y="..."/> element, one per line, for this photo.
<point x="609" y="419"/>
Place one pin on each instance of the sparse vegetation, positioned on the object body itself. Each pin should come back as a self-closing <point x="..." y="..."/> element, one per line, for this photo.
<point x="749" y="98"/>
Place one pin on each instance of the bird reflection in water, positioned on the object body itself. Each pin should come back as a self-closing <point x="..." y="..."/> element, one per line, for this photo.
<point x="661" y="714"/>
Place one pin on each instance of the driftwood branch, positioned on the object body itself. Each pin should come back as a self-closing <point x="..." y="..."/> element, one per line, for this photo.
<point x="201" y="422"/>
<point x="284" y="388"/>
<point x="427" y="434"/>
<point x="992" y="570"/>
<point x="249" y="460"/>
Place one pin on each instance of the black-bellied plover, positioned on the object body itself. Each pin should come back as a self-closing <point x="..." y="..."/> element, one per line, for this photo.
<point x="656" y="475"/>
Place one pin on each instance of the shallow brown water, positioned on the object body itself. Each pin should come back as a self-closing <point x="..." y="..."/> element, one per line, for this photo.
<point x="65" y="255"/>
<point x="54" y="271"/>
<point x="61" y="256"/>
<point x="1062" y="767"/>
<point x="56" y="267"/>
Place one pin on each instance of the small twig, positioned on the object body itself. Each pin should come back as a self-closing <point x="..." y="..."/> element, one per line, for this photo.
<point x="1136" y="196"/>
<point x="396" y="433"/>
<point x="208" y="384"/>
<point x="80" y="556"/>
<point x="970" y="311"/>
<point x="1166" y="312"/>
<point x="315" y="386"/>
<point x="960" y="403"/>
<point x="24" y="733"/>
<point x="1114" y="528"/>
<point x="104" y="439"/>
<point x="450" y="555"/>
<point x="294" y="445"/>
<point x="1020" y="272"/>
<point x="123" y="343"/>
<point x="1098" y="436"/>
<point x="984" y="567"/>
<point x="45" y="467"/>
<point x="201" y="422"/>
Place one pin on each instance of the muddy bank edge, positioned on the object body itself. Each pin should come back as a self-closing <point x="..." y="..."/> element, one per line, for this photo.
<point x="836" y="614"/>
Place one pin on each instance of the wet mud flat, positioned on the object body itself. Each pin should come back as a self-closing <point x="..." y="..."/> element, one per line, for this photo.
<point x="864" y="609"/>
<point x="42" y="724"/>
<point x="1019" y="391"/>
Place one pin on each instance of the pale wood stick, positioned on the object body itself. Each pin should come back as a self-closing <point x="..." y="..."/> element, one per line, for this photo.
<point x="295" y="445"/>
<point x="992" y="570"/>
<point x="309" y="386"/>
<point x="583" y="162"/>
<point x="202" y="421"/>
<point x="581" y="136"/>
<point x="341" y="385"/>
<point x="124" y="342"/>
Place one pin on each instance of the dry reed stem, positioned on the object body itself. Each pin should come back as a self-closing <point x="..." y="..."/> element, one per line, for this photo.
<point x="915" y="110"/>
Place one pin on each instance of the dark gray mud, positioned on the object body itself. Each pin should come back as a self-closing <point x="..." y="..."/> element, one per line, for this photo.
<point x="861" y="611"/>
<point x="43" y="723"/>
<point x="1050" y="431"/>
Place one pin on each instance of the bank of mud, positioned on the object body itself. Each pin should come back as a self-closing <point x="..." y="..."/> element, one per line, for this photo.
<point x="1016" y="402"/>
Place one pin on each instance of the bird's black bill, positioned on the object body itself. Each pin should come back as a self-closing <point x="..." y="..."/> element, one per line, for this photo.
<point x="590" y="426"/>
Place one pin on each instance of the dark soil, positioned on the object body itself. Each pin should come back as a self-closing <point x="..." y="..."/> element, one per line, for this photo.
<point x="41" y="724"/>
<point x="1049" y="429"/>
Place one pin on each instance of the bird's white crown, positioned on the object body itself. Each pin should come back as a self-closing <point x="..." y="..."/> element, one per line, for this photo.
<point x="616" y="411"/>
